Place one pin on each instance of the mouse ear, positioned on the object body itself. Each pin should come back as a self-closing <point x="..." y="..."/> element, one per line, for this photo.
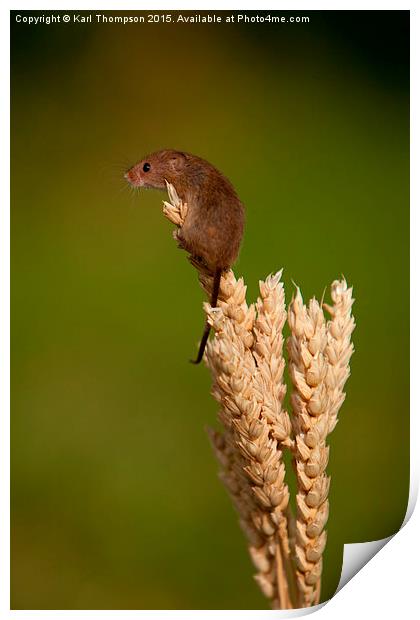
<point x="177" y="161"/>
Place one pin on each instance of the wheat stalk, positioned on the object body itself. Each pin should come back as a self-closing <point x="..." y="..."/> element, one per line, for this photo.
<point x="246" y="361"/>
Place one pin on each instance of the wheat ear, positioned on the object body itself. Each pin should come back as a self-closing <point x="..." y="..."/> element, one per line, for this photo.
<point x="271" y="389"/>
<point x="319" y="355"/>
<point x="256" y="471"/>
<point x="339" y="347"/>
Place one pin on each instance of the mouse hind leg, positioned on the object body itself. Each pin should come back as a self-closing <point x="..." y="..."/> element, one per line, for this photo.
<point x="183" y="244"/>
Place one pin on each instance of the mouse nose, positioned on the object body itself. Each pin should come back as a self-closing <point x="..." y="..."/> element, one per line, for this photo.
<point x="129" y="177"/>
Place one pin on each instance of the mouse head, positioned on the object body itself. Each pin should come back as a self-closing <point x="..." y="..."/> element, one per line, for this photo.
<point x="152" y="171"/>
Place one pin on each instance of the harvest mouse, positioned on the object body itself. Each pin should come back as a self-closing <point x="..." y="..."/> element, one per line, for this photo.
<point x="213" y="227"/>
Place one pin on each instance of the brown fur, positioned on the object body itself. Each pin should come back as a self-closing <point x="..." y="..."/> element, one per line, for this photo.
<point x="214" y="224"/>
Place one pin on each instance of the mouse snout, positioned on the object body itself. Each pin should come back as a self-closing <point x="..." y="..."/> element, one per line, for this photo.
<point x="132" y="177"/>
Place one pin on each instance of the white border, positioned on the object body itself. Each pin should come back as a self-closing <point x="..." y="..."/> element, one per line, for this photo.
<point x="388" y="584"/>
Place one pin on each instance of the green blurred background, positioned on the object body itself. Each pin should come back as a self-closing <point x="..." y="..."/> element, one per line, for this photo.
<point x="115" y="497"/>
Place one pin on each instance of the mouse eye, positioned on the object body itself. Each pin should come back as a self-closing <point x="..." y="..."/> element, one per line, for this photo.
<point x="146" y="167"/>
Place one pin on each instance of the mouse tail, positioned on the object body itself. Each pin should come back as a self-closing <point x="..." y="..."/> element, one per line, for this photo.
<point x="207" y="328"/>
<point x="216" y="288"/>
